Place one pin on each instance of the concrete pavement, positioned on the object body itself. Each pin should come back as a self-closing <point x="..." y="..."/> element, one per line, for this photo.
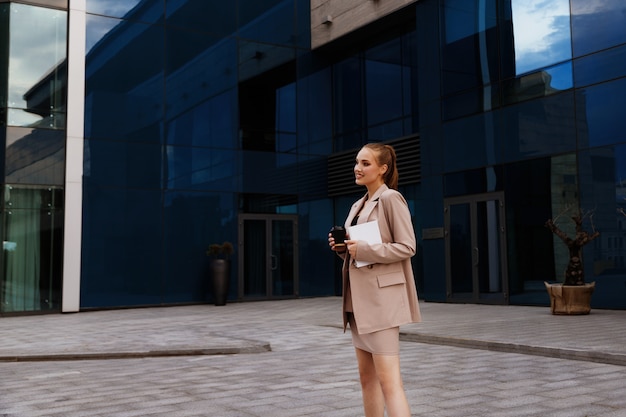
<point x="290" y="358"/>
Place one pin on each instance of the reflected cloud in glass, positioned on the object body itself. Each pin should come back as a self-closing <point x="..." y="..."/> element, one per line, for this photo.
<point x="97" y="28"/>
<point x="115" y="8"/>
<point x="541" y="30"/>
<point x="37" y="49"/>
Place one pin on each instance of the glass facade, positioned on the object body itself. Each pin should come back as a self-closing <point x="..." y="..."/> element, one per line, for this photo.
<point x="207" y="122"/>
<point x="191" y="121"/>
<point x="33" y="93"/>
<point x="529" y="107"/>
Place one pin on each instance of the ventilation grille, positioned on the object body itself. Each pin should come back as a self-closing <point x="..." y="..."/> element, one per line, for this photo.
<point x="341" y="174"/>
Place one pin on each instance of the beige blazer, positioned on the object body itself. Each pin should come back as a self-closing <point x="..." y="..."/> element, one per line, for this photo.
<point x="383" y="294"/>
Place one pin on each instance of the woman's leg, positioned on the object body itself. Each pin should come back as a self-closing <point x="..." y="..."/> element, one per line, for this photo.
<point x="389" y="377"/>
<point x="373" y="400"/>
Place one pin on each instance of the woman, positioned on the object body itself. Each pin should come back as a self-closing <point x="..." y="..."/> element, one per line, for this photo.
<point x="381" y="296"/>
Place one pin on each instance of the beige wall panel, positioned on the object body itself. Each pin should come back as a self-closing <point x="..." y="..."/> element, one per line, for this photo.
<point x="331" y="19"/>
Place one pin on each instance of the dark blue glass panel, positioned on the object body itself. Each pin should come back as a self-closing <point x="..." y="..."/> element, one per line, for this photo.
<point x="253" y="10"/>
<point x="347" y="95"/>
<point x="216" y="17"/>
<point x="261" y="107"/>
<point x="410" y="82"/>
<point x="529" y="201"/>
<point x="603" y="191"/>
<point x="275" y="25"/>
<point x="597" y="25"/>
<point x="348" y="141"/>
<point x="538" y="127"/>
<point x="469" y="45"/>
<point x="286" y="113"/>
<point x="190" y="54"/>
<point x="383" y="91"/>
<point x="193" y="221"/>
<point x="269" y="173"/>
<point x="303" y="23"/>
<point x="603" y="66"/>
<point x="560" y="77"/>
<point x="201" y="168"/>
<point x="476" y="181"/>
<point x="286" y="142"/>
<point x="466" y="143"/>
<point x="428" y="54"/>
<point x="432" y="151"/>
<point x="600" y="113"/>
<point x="384" y="94"/>
<point x="138" y="10"/>
<point x="386" y="131"/>
<point x="471" y="102"/>
<point x="466" y="182"/>
<point x="124" y="83"/>
<point x="210" y="74"/>
<point x="35" y="156"/>
<point x="256" y="59"/>
<point x="122" y="253"/>
<point x="507" y="42"/>
<point x="314" y="97"/>
<point x="122" y="164"/>
<point x="542" y="83"/>
<point x="316" y="278"/>
<point x="212" y="123"/>
<point x="97" y="28"/>
<point x="312" y="176"/>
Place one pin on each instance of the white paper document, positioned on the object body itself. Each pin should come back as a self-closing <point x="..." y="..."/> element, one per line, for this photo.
<point x="368" y="232"/>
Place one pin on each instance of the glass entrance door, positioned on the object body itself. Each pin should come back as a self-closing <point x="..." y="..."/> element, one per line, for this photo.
<point x="268" y="256"/>
<point x="476" y="249"/>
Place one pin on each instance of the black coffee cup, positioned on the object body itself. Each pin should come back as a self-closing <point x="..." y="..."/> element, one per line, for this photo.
<point x="339" y="234"/>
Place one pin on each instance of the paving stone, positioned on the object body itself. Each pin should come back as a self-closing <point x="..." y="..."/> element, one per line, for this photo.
<point x="290" y="358"/>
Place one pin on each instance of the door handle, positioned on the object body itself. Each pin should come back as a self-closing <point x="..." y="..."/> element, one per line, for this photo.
<point x="274" y="262"/>
<point x="476" y="256"/>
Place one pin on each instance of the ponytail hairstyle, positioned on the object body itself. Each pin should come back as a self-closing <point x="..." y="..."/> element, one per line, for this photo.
<point x="386" y="155"/>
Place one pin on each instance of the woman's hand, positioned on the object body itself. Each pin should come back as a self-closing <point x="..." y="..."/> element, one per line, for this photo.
<point x="351" y="246"/>
<point x="331" y="243"/>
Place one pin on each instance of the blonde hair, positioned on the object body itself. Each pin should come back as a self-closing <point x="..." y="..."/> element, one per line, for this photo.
<point x="386" y="155"/>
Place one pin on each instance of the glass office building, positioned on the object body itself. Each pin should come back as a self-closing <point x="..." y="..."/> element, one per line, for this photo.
<point x="135" y="133"/>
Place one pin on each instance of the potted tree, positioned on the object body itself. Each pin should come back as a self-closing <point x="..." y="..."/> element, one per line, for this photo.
<point x="573" y="295"/>
<point x="220" y="270"/>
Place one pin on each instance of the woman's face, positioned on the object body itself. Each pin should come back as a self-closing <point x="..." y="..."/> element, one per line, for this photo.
<point x="366" y="169"/>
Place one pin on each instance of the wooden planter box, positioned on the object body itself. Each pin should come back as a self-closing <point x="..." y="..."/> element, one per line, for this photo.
<point x="570" y="299"/>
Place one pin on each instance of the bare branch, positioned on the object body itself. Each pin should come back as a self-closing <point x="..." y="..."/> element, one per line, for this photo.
<point x="588" y="214"/>
<point x="574" y="274"/>
<point x="565" y="210"/>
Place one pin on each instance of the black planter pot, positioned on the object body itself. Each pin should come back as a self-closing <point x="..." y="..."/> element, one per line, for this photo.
<point x="220" y="275"/>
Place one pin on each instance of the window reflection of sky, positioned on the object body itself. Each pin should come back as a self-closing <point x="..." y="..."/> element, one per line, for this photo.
<point x="115" y="8"/>
<point x="97" y="28"/>
<point x="541" y="29"/>
<point x="37" y="45"/>
<point x="561" y="76"/>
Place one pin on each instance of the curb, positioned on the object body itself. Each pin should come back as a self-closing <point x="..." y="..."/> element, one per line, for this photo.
<point x="256" y="348"/>
<point x="560" y="353"/>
